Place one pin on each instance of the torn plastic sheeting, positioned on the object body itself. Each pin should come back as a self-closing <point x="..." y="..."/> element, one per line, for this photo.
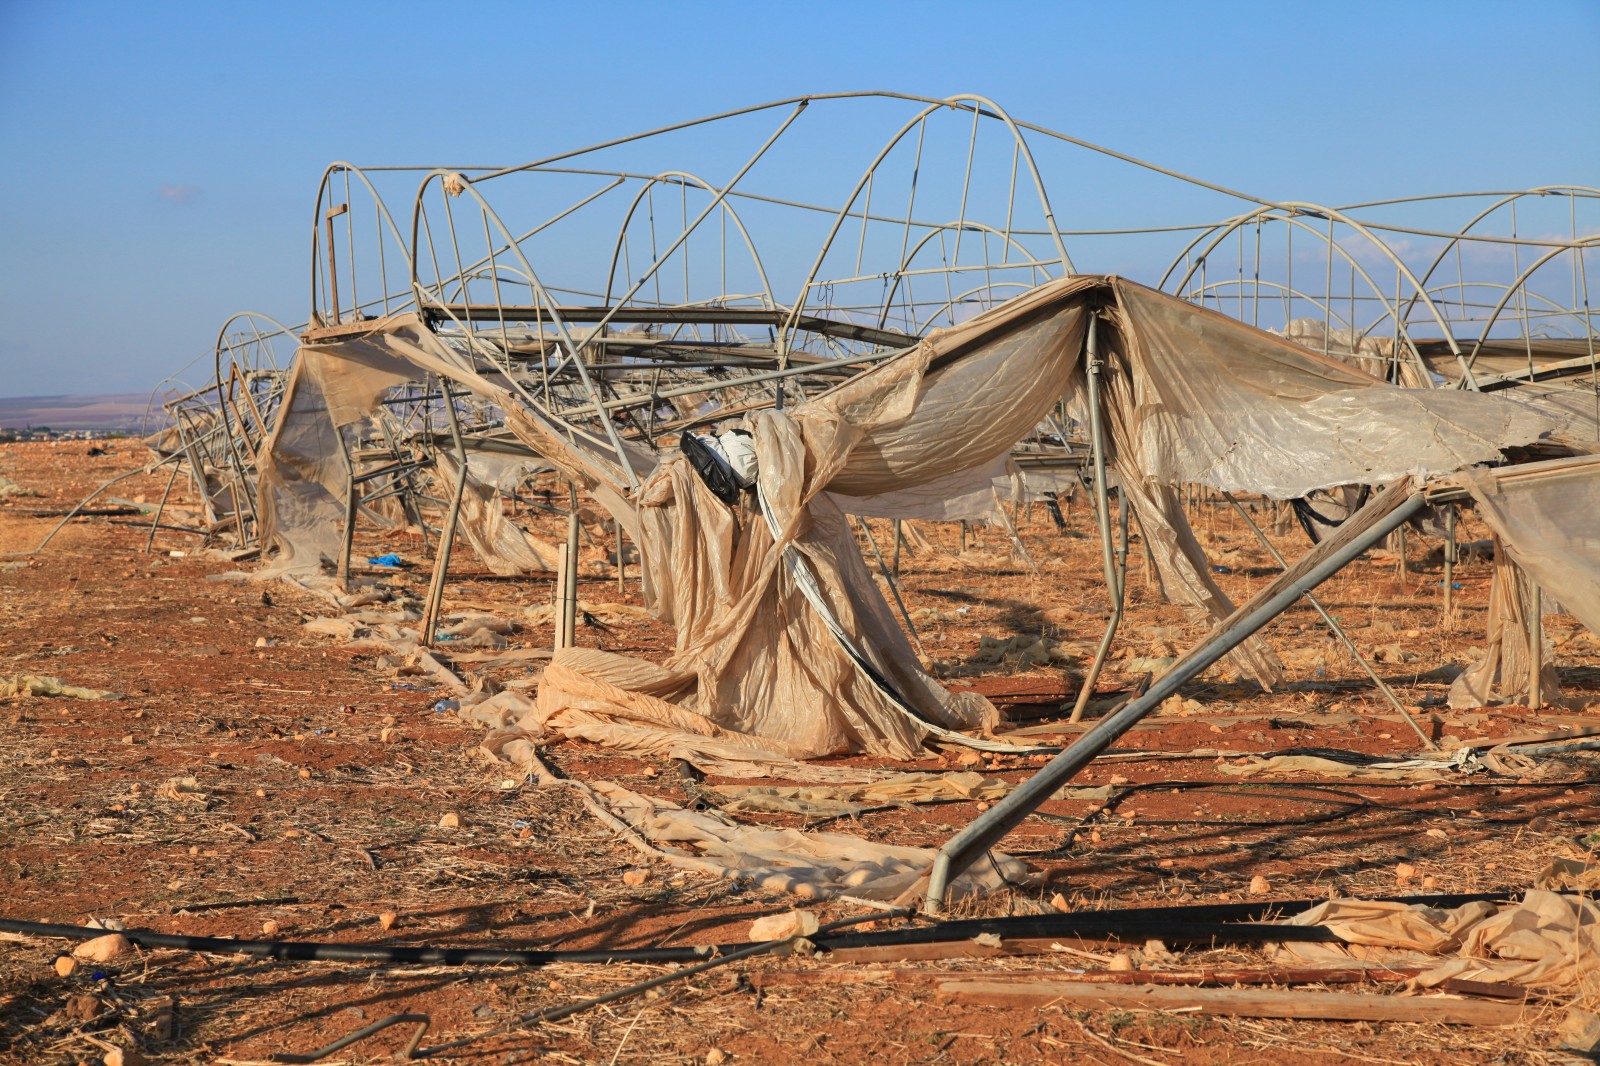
<point x="1543" y="516"/>
<point x="811" y="865"/>
<point x="1192" y="397"/>
<point x="832" y="801"/>
<point x="1388" y="770"/>
<point x="1548" y="940"/>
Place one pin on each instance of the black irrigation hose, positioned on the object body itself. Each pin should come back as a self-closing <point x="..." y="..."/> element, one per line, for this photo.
<point x="314" y="951"/>
<point x="550" y="1014"/>
<point x="1216" y="916"/>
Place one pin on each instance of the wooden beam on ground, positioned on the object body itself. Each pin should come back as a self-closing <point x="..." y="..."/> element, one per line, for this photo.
<point x="1246" y="1003"/>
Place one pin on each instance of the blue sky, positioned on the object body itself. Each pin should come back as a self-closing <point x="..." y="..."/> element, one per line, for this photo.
<point x="162" y="158"/>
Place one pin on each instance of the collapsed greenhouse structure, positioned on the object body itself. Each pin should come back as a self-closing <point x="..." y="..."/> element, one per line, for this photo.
<point x="755" y="371"/>
<point x="943" y="359"/>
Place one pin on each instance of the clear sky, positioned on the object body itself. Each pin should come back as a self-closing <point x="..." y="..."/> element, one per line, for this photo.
<point x="161" y="159"/>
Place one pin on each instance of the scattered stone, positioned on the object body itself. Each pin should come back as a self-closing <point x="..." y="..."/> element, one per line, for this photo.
<point x="1121" y="962"/>
<point x="783" y="926"/>
<point x="65" y="965"/>
<point x="1259" y="886"/>
<point x="450" y="820"/>
<point x="387" y="919"/>
<point x="270" y="928"/>
<point x="636" y="876"/>
<point x="1404" y="872"/>
<point x="102" y="948"/>
<point x="1580" y="1031"/>
<point x="82" y="1008"/>
<point x="1059" y="902"/>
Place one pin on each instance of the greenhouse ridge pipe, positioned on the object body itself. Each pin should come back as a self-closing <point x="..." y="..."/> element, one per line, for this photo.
<point x="990" y="827"/>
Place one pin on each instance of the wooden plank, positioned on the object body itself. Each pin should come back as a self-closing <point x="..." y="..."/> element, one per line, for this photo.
<point x="1248" y="1003"/>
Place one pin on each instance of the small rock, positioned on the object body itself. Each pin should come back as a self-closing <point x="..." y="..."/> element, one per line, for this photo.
<point x="1259" y="886"/>
<point x="65" y="965"/>
<point x="1580" y="1031"/>
<point x="783" y="926"/>
<point x="1121" y="962"/>
<point x="636" y="876"/>
<point x="304" y="773"/>
<point x="969" y="759"/>
<point x="716" y="1057"/>
<point x="270" y="928"/>
<point x="82" y="1008"/>
<point x="387" y="919"/>
<point x="102" y="948"/>
<point x="1059" y="902"/>
<point x="1430" y="882"/>
<point x="1404" y="872"/>
<point x="450" y="820"/>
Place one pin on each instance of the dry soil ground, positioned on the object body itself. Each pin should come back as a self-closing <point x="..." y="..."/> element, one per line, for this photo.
<point x="320" y="779"/>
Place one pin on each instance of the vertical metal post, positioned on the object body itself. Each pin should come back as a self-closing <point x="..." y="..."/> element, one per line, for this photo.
<point x="569" y="600"/>
<point x="447" y="535"/>
<point x="333" y="270"/>
<point x="1103" y="517"/>
<point x="1449" y="561"/>
<point x="559" y="602"/>
<point x="151" y="539"/>
<point x="351" y="505"/>
<point x="894" y="586"/>
<point x="1535" y="645"/>
<point x="897" y="540"/>
<point x="622" y="561"/>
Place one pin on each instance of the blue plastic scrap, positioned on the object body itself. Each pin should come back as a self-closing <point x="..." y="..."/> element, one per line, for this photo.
<point x="391" y="559"/>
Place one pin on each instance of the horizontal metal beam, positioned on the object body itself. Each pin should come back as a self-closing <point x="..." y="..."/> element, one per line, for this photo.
<point x="637" y="315"/>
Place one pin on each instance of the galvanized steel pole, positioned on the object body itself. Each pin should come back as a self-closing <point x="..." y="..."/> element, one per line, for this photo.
<point x="989" y="828"/>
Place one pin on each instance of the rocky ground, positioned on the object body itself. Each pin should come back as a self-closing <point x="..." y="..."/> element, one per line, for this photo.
<point x="256" y="779"/>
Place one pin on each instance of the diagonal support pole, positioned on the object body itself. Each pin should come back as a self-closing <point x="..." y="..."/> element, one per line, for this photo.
<point x="1361" y="531"/>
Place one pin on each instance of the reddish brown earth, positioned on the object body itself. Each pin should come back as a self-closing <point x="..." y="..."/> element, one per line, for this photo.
<point x="321" y="780"/>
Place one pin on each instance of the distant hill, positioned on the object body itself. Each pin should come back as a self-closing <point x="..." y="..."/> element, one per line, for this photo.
<point x="119" y="411"/>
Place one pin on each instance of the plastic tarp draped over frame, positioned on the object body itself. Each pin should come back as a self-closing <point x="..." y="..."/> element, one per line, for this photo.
<point x="1546" y="522"/>
<point x="762" y="662"/>
<point x="1190" y="396"/>
<point x="304" y="475"/>
<point x="304" y="463"/>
